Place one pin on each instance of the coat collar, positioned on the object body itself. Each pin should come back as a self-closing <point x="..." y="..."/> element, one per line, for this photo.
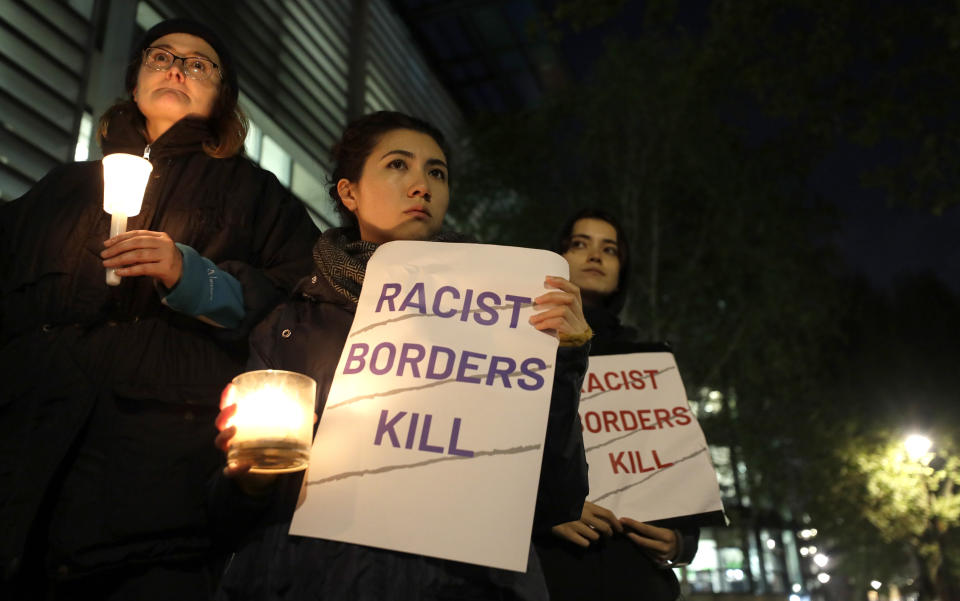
<point x="125" y="134"/>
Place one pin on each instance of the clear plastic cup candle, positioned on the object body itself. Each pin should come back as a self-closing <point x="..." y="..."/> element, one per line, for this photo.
<point x="274" y="420"/>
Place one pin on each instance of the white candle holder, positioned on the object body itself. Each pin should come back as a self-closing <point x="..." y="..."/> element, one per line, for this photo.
<point x="274" y="420"/>
<point x="124" y="181"/>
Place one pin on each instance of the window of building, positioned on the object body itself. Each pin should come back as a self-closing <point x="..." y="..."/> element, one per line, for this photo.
<point x="720" y="456"/>
<point x="252" y="142"/>
<point x="275" y="159"/>
<point x="719" y="566"/>
<point x="307" y="186"/>
<point x="774" y="560"/>
<point x="311" y="189"/>
<point x="82" y="152"/>
<point x="147" y="16"/>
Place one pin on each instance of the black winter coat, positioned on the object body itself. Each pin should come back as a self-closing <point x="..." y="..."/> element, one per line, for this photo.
<point x="107" y="397"/>
<point x="612" y="569"/>
<point x="307" y="335"/>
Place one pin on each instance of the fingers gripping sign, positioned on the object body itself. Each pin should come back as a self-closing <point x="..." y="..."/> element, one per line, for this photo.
<point x="594" y="521"/>
<point x="576" y="532"/>
<point x="563" y="310"/>
<point x="600" y="519"/>
<point x="144" y="253"/>
<point x="659" y="543"/>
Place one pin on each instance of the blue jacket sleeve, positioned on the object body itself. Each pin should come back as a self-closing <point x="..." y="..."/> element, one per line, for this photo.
<point x="206" y="292"/>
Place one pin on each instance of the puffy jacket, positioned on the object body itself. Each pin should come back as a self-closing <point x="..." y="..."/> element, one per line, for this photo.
<point x="107" y="396"/>
<point x="307" y="335"/>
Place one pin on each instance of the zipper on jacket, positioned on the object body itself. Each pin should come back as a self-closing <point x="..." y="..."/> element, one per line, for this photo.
<point x="146" y="152"/>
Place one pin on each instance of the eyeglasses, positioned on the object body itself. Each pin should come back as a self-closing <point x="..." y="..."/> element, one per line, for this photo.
<point x="194" y="67"/>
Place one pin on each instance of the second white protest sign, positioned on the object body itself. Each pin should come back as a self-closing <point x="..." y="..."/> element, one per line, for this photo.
<point x="648" y="457"/>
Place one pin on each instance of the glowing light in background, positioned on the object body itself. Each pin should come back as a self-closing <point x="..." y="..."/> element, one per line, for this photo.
<point x="917" y="446"/>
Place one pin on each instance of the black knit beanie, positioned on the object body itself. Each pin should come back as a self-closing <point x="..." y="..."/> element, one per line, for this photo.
<point x="193" y="28"/>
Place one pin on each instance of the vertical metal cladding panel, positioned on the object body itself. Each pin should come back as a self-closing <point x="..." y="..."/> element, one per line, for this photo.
<point x="399" y="77"/>
<point x="42" y="67"/>
<point x="291" y="58"/>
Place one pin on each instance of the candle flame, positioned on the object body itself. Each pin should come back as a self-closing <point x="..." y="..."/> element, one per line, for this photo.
<point x="267" y="412"/>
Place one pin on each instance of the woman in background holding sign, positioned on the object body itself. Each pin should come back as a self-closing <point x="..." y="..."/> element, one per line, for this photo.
<point x="390" y="182"/>
<point x="110" y="392"/>
<point x="599" y="556"/>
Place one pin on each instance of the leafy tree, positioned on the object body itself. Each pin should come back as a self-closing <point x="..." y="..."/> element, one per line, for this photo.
<point x="889" y="518"/>
<point x="911" y="503"/>
<point x="720" y="234"/>
<point x="703" y="141"/>
<point x="725" y="264"/>
<point x="877" y="74"/>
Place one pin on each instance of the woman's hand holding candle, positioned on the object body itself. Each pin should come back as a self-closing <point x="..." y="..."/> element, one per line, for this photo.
<point x="143" y="252"/>
<point x="124" y="181"/>
<point x="252" y="484"/>
<point x="222" y="441"/>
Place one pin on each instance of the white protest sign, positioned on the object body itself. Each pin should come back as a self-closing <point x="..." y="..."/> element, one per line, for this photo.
<point x="648" y="457"/>
<point x="431" y="437"/>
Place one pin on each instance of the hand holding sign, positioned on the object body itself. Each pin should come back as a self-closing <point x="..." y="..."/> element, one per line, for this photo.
<point x="660" y="543"/>
<point x="594" y="521"/>
<point x="565" y="316"/>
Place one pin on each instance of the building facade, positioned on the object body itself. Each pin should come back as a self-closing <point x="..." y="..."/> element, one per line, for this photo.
<point x="305" y="68"/>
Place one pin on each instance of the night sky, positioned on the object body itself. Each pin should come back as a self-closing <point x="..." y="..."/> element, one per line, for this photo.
<point x="882" y="240"/>
<point x="887" y="243"/>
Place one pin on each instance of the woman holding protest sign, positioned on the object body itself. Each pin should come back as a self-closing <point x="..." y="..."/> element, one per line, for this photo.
<point x="601" y="556"/>
<point x="390" y="182"/>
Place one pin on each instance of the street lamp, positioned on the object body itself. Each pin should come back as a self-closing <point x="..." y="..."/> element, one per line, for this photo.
<point x="917" y="446"/>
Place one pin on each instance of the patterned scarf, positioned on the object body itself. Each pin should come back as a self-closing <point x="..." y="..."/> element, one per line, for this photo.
<point x="340" y="257"/>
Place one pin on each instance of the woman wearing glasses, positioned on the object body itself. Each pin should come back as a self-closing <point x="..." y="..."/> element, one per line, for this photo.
<point x="109" y="394"/>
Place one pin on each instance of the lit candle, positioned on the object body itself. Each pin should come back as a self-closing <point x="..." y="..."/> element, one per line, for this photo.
<point x="274" y="420"/>
<point x="124" y="180"/>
